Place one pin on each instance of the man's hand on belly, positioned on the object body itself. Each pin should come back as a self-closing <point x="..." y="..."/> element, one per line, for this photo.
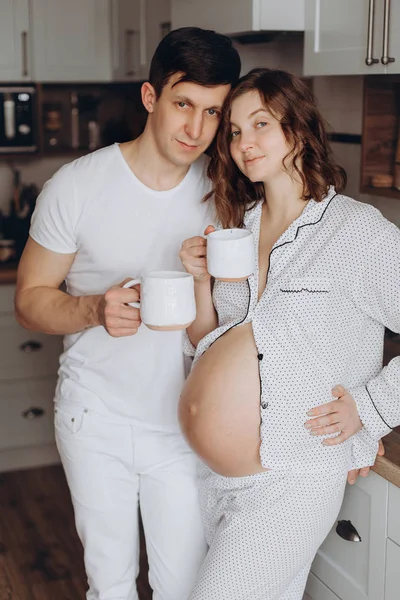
<point x="339" y="416"/>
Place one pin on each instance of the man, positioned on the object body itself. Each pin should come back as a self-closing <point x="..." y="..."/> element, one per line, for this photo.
<point x="100" y="220"/>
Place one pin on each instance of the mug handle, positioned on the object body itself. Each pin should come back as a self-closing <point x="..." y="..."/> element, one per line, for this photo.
<point x="129" y="284"/>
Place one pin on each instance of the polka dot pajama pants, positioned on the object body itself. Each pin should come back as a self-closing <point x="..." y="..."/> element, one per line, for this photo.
<point x="263" y="532"/>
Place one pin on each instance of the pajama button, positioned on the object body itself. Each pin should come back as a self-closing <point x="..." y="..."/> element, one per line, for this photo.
<point x="260" y="356"/>
<point x="264" y="404"/>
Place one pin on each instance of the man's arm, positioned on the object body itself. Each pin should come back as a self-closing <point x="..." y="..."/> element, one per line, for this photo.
<point x="41" y="306"/>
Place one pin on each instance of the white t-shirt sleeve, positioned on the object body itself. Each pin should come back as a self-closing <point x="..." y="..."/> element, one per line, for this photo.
<point x="56" y="214"/>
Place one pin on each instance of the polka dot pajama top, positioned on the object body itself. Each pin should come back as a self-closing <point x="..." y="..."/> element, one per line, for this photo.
<point x="333" y="285"/>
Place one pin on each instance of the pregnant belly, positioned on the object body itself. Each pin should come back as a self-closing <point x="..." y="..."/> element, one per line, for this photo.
<point x="219" y="408"/>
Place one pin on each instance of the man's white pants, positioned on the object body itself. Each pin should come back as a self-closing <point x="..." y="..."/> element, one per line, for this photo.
<point x="110" y="467"/>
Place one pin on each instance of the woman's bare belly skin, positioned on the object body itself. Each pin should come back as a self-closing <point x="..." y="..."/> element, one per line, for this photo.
<point x="219" y="409"/>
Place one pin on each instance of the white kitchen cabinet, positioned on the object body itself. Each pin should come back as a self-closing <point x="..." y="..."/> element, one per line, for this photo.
<point x="26" y="412"/>
<point x="239" y="16"/>
<point x="7" y="293"/>
<point x="15" y="40"/>
<point x="347" y="38"/>
<point x="394" y="515"/>
<point x="25" y="354"/>
<point x="356" y="570"/>
<point x="393" y="66"/>
<point x="392" y="579"/>
<point x="80" y="40"/>
<point x="128" y="39"/>
<point x="316" y="590"/>
<point x="71" y="40"/>
<point x="137" y="28"/>
<point x="28" y="374"/>
<point x="158" y="24"/>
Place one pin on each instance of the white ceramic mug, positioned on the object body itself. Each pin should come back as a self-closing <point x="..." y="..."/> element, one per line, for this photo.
<point x="230" y="254"/>
<point x="167" y="300"/>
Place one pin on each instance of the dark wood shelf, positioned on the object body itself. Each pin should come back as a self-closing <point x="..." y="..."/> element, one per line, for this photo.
<point x="381" y="191"/>
<point x="381" y="121"/>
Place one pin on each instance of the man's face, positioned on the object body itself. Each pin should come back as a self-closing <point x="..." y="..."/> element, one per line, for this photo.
<point x="185" y="119"/>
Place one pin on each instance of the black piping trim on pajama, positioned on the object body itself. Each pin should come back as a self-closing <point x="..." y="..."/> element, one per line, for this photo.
<point x="374" y="405"/>
<point x="297" y="232"/>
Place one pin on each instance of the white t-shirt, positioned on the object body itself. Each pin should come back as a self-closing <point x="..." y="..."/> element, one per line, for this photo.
<point x="118" y="227"/>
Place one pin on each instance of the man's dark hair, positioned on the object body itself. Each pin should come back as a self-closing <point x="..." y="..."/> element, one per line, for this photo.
<point x="203" y="56"/>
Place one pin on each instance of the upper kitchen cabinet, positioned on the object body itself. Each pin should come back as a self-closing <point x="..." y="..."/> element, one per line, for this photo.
<point x="239" y="16"/>
<point x="80" y="40"/>
<point x="137" y="28"/>
<point x="128" y="39"/>
<point x="158" y="24"/>
<point x="15" y="55"/>
<point x="71" y="40"/>
<point x="352" y="38"/>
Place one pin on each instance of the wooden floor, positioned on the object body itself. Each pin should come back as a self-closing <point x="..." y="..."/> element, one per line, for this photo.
<point x="40" y="554"/>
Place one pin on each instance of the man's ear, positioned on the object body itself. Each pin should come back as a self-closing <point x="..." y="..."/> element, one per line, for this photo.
<point x="149" y="97"/>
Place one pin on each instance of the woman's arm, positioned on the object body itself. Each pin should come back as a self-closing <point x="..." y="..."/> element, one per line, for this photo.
<point x="193" y="255"/>
<point x="375" y="405"/>
<point x="206" y="316"/>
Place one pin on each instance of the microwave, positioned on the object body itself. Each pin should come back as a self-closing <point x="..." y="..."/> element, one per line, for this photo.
<point x="17" y="119"/>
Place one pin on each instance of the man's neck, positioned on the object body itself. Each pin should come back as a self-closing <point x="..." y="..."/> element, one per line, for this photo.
<point x="149" y="166"/>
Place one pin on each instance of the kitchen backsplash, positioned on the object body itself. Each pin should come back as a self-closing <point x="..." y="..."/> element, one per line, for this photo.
<point x="340" y="100"/>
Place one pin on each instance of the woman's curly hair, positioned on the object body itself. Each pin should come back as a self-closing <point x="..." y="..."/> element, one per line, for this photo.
<point x="290" y="100"/>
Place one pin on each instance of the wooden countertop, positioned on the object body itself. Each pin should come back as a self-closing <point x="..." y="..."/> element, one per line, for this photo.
<point x="8" y="274"/>
<point x="388" y="466"/>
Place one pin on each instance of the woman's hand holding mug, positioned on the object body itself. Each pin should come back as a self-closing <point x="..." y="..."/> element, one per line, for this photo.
<point x="193" y="255"/>
<point x="225" y="254"/>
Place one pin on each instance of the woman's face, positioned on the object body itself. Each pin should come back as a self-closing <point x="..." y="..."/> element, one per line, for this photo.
<point x="258" y="144"/>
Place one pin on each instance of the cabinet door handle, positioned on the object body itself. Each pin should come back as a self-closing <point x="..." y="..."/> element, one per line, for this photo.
<point x="31" y="346"/>
<point x="165" y="29"/>
<point x="371" y="16"/>
<point x="33" y="413"/>
<point x="24" y="39"/>
<point x="347" y="531"/>
<point x="129" y="35"/>
<point x="386" y="59"/>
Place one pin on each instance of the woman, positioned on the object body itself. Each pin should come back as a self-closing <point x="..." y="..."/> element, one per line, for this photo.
<point x="311" y="318"/>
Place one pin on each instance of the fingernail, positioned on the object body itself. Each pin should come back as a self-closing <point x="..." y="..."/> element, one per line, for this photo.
<point x="310" y="413"/>
<point x="336" y="390"/>
<point x="307" y="425"/>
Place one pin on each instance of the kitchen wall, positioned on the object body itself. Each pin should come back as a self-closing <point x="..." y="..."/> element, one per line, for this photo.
<point x="340" y="100"/>
<point x="33" y="170"/>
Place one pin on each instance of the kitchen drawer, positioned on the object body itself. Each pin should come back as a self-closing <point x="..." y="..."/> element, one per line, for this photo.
<point x="25" y="354"/>
<point x="392" y="579"/>
<point x="26" y="412"/>
<point x="316" y="590"/>
<point x="7" y="298"/>
<point x="394" y="515"/>
<point x="356" y="570"/>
